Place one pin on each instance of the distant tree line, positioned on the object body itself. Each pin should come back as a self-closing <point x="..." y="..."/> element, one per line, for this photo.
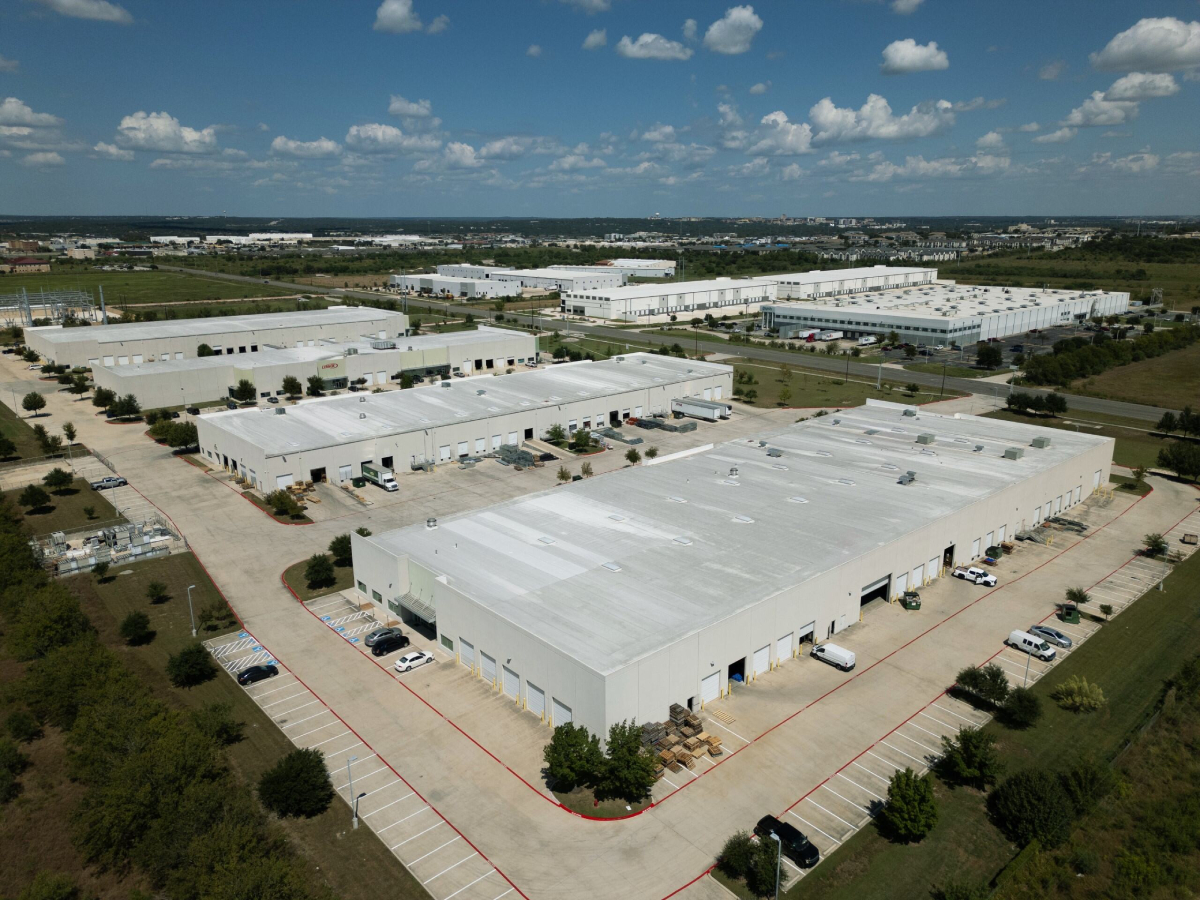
<point x="1079" y="357"/>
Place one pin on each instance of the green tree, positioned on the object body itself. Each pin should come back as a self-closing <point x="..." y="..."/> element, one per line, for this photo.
<point x="581" y="440"/>
<point x="34" y="498"/>
<point x="281" y="503"/>
<point x="135" y="629"/>
<point x="1054" y="403"/>
<point x="960" y="890"/>
<point x="216" y="721"/>
<point x="1106" y="610"/>
<point x="628" y="770"/>
<point x="298" y="785"/>
<point x="69" y="432"/>
<point x="30" y="356"/>
<point x="103" y="398"/>
<point x="58" y="480"/>
<point x="316" y="386"/>
<point x="1077" y="595"/>
<point x="191" y="666"/>
<point x="205" y="350"/>
<point x="406" y="381"/>
<point x="319" y="571"/>
<point x="556" y="434"/>
<point x="79" y="385"/>
<point x="912" y="388"/>
<point x="1077" y="694"/>
<point x="632" y="456"/>
<point x="362" y="531"/>
<point x="22" y="726"/>
<point x="736" y="855"/>
<point x="183" y="434"/>
<point x="126" y="407"/>
<point x="340" y="547"/>
<point x="50" y="886"/>
<point x="1086" y="782"/>
<point x="1031" y="804"/>
<point x="911" y="810"/>
<point x="1182" y="458"/>
<point x="291" y="386"/>
<point x="49" y="617"/>
<point x="1167" y="423"/>
<point x="563" y="475"/>
<point x="33" y="402"/>
<point x="1155" y="544"/>
<point x="156" y="592"/>
<point x="1022" y="708"/>
<point x="100" y="570"/>
<point x="586" y="470"/>
<point x="8" y="448"/>
<point x="651" y="453"/>
<point x="970" y="757"/>
<point x="572" y="757"/>
<point x="764" y="868"/>
<point x="989" y="356"/>
<point x="909" y="350"/>
<point x="785" y="395"/>
<point x="245" y="391"/>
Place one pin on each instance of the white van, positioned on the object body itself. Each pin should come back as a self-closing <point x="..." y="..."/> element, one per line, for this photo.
<point x="835" y="656"/>
<point x="1031" y="644"/>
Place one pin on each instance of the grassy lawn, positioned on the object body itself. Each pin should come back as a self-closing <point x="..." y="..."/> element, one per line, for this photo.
<point x="20" y="432"/>
<point x="262" y="504"/>
<point x="932" y="368"/>
<point x="581" y="801"/>
<point x="65" y="512"/>
<point x="129" y="288"/>
<point x="823" y="389"/>
<point x="1125" y="483"/>
<point x="294" y="576"/>
<point x="1136" y="446"/>
<point x="1129" y="658"/>
<point x="354" y="864"/>
<point x="1171" y="380"/>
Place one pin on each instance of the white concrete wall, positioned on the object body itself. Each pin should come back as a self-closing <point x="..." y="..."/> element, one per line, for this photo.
<point x="727" y="298"/>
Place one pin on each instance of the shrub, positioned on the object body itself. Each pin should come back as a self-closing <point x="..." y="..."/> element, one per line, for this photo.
<point x="988" y="683"/>
<point x="970" y="758"/>
<point x="632" y="456"/>
<point x="49" y="886"/>
<point x="297" y="785"/>
<point x="319" y="571"/>
<point x="563" y="475"/>
<point x="1078" y="695"/>
<point x="1031" y="804"/>
<point x="651" y="452"/>
<point x="191" y="666"/>
<point x="282" y="503"/>
<point x="22" y="726"/>
<point x="217" y="722"/>
<point x="556" y="434"/>
<point x="156" y="592"/>
<point x="1086" y="783"/>
<point x="340" y="547"/>
<point x="912" y="388"/>
<point x="215" y="614"/>
<point x="34" y="497"/>
<point x="1155" y="544"/>
<point x="90" y="512"/>
<point x="1022" y="708"/>
<point x="736" y="856"/>
<point x="911" y="812"/>
<point x="960" y="890"/>
<point x="573" y="757"/>
<point x="100" y="570"/>
<point x="1084" y="860"/>
<point x="135" y="629"/>
<point x="12" y="764"/>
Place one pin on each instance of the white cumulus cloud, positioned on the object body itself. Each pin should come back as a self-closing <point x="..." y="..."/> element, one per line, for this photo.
<point x="397" y="17"/>
<point x="111" y="151"/>
<point x="596" y="39"/>
<point x="162" y="132"/>
<point x="96" y="10"/>
<point x="1152" y="45"/>
<point x="1030" y="126"/>
<point x="590" y="6"/>
<point x="778" y="136"/>
<point x="993" y="140"/>
<point x="8" y="65"/>
<point x="791" y="172"/>
<point x="1142" y="86"/>
<point x="659" y="134"/>
<point x="1097" y="111"/>
<point x="907" y="56"/>
<point x="43" y="160"/>
<point x="15" y="112"/>
<point x="1056" y="137"/>
<point x="652" y="46"/>
<point x="503" y="148"/>
<point x="387" y="139"/>
<point x="534" y="50"/>
<point x="732" y="33"/>
<point x="573" y="162"/>
<point x="761" y="88"/>
<point x="322" y="148"/>
<point x="413" y="109"/>
<point x="438" y="25"/>
<point x="1052" y="71"/>
<point x="690" y="28"/>
<point x="876" y="121"/>
<point x="906" y="7"/>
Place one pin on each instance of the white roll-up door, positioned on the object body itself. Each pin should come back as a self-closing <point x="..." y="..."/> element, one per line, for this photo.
<point x="381" y="377"/>
<point x="987" y="541"/>
<point x="806" y="631"/>
<point x="496" y="442"/>
<point x="637" y="412"/>
<point x="783" y="647"/>
<point x="710" y="687"/>
<point x="535" y="699"/>
<point x="124" y="361"/>
<point x="918" y="576"/>
<point x="762" y="659"/>
<point x="717" y="393"/>
<point x="562" y="713"/>
<point x="487" y="665"/>
<point x="841" y="626"/>
<point x="512" y="683"/>
<point x="345" y="473"/>
<point x="1078" y="491"/>
<point x="466" y="653"/>
<point x="975" y="549"/>
<point x="708" y="393"/>
<point x="1000" y="534"/>
<point x="370" y="378"/>
<point x="108" y="360"/>
<point x="92" y="363"/>
<point x="1096" y="479"/>
<point x="137" y="357"/>
<point x="512" y="437"/>
<point x="1057" y="505"/>
<point x="480" y="445"/>
<point x="282" y="482"/>
<point x="444" y="452"/>
<point x="932" y="568"/>
<point x="901" y="581"/>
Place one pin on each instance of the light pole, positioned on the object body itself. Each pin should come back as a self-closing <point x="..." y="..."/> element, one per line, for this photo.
<point x="778" y="858"/>
<point x="1028" y="657"/>
<point x="191" y="615"/>
<point x="942" y="392"/>
<point x="354" y="800"/>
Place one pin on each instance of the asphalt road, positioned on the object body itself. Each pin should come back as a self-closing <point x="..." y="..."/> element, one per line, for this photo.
<point x="808" y="361"/>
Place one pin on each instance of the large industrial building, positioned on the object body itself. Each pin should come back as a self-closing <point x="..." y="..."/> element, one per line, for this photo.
<point x="833" y="282"/>
<point x="448" y="286"/>
<point x="330" y="438"/>
<point x="942" y="313"/>
<point x="594" y="278"/>
<point x="658" y="302"/>
<point x="137" y="342"/>
<point x="178" y="382"/>
<point x="630" y="268"/>
<point x="614" y="597"/>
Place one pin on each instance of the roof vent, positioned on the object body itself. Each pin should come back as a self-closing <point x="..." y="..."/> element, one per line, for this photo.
<point x="431" y="522"/>
<point x="444" y="384"/>
<point x="926" y="438"/>
<point x="611" y="566"/>
<point x="683" y="540"/>
<point x="1041" y="443"/>
<point x="910" y="412"/>
<point x="362" y="415"/>
<point x="1014" y="452"/>
<point x="774" y="452"/>
<point x="907" y="478"/>
<point x="849" y="481"/>
<point x="481" y="392"/>
<point x="733" y="471"/>
<point x="546" y="540"/>
<point x="797" y="499"/>
<point x="677" y="500"/>
<point x="745" y="520"/>
<point x="362" y="399"/>
<point x="281" y="411"/>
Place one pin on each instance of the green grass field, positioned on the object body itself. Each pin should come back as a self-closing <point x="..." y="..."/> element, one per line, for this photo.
<point x="931" y="368"/>
<point x="294" y="576"/>
<point x="809" y="389"/>
<point x="131" y="288"/>
<point x="1171" y="380"/>
<point x="66" y="510"/>
<point x="1136" y="446"/>
<point x="1129" y="658"/>
<point x="20" y="432"/>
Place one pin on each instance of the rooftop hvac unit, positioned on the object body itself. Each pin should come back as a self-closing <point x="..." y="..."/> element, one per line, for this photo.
<point x="362" y="399"/>
<point x="382" y="345"/>
<point x="1041" y="443"/>
<point x="926" y="438"/>
<point x="774" y="452"/>
<point x="481" y="392"/>
<point x="431" y="522"/>
<point x="281" y="411"/>
<point x="910" y="412"/>
<point x="1014" y="453"/>
<point x="978" y="447"/>
<point x="444" y="384"/>
<point x="907" y="478"/>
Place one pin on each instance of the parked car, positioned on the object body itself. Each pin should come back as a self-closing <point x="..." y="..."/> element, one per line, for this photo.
<point x="389" y="644"/>
<point x="795" y="845"/>
<point x="1031" y="644"/>
<point x="231" y="405"/>
<point x="546" y="457"/>
<point x="1017" y="348"/>
<point x="34" y="367"/>
<point x="413" y="660"/>
<point x="975" y="575"/>
<point x="1051" y="636"/>
<point x="834" y="655"/>
<point x="380" y="633"/>
<point x="272" y="399"/>
<point x="174" y="414"/>
<point x="251" y="674"/>
<point x="108" y="481"/>
<point x="193" y="410"/>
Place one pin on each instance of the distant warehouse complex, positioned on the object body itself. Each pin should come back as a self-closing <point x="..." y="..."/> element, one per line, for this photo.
<point x="138" y="342"/>
<point x="330" y="439"/>
<point x="543" y="279"/>
<point x="630" y="268"/>
<point x="179" y="382"/>
<point x="614" y="597"/>
<point x="943" y="313"/>
<point x="658" y="302"/>
<point x="833" y="282"/>
<point x="454" y="286"/>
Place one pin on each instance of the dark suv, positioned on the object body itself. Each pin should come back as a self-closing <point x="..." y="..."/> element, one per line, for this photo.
<point x="389" y="644"/>
<point x="795" y="845"/>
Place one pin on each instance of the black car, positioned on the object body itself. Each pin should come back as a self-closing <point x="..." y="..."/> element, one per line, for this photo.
<point x="231" y="405"/>
<point x="796" y="846"/>
<point x="193" y="410"/>
<point x="389" y="644"/>
<point x="251" y="674"/>
<point x="1017" y="348"/>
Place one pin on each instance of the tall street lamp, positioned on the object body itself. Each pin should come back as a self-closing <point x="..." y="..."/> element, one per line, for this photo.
<point x="191" y="615"/>
<point x="354" y="800"/>
<point x="778" y="857"/>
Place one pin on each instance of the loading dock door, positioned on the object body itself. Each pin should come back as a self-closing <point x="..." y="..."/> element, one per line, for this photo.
<point x="783" y="647"/>
<point x="562" y="713"/>
<point x="1078" y="491"/>
<point x="1000" y="534"/>
<point x="1057" y="505"/>
<point x="283" y="482"/>
<point x="512" y="683"/>
<point x="535" y="699"/>
<point x="806" y="633"/>
<point x="931" y="569"/>
<point x="762" y="659"/>
<point x="901" y="584"/>
<point x="710" y="687"/>
<point x="975" y="549"/>
<point x="488" y="667"/>
<point x="875" y="590"/>
<point x="918" y="576"/>
<point x="466" y="653"/>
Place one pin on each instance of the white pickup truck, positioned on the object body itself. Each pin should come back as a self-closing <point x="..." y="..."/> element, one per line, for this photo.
<point x="975" y="575"/>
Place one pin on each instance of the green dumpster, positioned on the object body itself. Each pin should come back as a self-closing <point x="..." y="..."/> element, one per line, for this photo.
<point x="1068" y="613"/>
<point x="911" y="600"/>
<point x="359" y="482"/>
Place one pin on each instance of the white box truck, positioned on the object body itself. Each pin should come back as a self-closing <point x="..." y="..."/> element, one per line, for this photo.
<point x="867" y="341"/>
<point x="382" y="477"/>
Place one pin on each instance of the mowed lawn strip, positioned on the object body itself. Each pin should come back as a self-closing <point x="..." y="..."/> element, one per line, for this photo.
<point x="1130" y="658"/>
<point x="20" y="432"/>
<point x="810" y="388"/>
<point x="1171" y="380"/>
<point x="65" y="510"/>
<point x="354" y="863"/>
<point x="294" y="576"/>
<point x="143" y="287"/>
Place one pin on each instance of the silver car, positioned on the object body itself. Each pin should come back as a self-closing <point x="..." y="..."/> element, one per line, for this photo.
<point x="378" y="634"/>
<point x="1051" y="635"/>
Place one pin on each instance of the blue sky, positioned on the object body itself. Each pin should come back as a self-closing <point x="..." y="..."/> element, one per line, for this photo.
<point x="599" y="107"/>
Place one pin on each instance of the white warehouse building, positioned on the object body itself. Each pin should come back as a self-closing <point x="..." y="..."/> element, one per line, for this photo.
<point x="330" y="438"/>
<point x="614" y="597"/>
<point x="180" y="382"/>
<point x="129" y="343"/>
<point x="833" y="282"/>
<point x="630" y="268"/>
<point x="445" y="285"/>
<point x="942" y="313"/>
<point x="594" y="278"/>
<point x="658" y="302"/>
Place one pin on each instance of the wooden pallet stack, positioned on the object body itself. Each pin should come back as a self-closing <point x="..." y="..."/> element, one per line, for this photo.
<point x="679" y="742"/>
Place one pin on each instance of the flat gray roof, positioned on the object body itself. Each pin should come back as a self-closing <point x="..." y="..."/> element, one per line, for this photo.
<point x="613" y="568"/>
<point x="634" y="291"/>
<point x="171" y="328"/>
<point x="332" y="421"/>
<point x="819" y="276"/>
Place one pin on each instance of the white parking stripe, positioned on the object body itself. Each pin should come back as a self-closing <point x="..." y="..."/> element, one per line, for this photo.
<point x="734" y="733"/>
<point x="444" y="871"/>
<point x="333" y="753"/>
<point x="330" y="603"/>
<point x="869" y="772"/>
<point x="902" y="753"/>
<point x="434" y="850"/>
<point x="814" y="827"/>
<point x="284" y="700"/>
<point x="849" y="825"/>
<point x="368" y="775"/>
<point x="792" y="864"/>
<point x="393" y="803"/>
<point x="334" y="738"/>
<point x="956" y="715"/>
<point x="926" y="730"/>
<point x="315" y="730"/>
<point x="405" y="819"/>
<point x="294" y="724"/>
<point x="384" y="788"/>
<point x="939" y="721"/>
<point x="505" y="894"/>
<point x="264" y="693"/>
<point x="417" y="835"/>
<point x="297" y="709"/>
<point x="670" y="782"/>
<point x="920" y="744"/>
<point x="465" y="886"/>
<point x="847" y="799"/>
<point x="861" y="788"/>
<point x="894" y="767"/>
